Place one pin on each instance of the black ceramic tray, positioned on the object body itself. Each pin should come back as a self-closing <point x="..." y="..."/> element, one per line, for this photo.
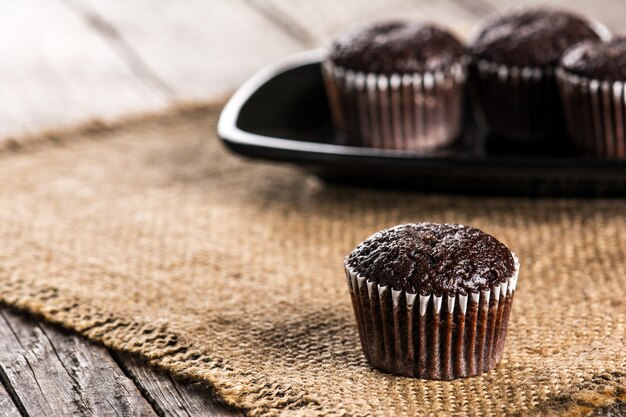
<point x="281" y="114"/>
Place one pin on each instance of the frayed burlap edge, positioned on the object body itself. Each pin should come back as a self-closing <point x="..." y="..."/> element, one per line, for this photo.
<point x="160" y="346"/>
<point x="92" y="129"/>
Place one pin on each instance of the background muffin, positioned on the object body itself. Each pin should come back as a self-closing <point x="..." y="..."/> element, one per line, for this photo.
<point x="396" y="85"/>
<point x="514" y="58"/>
<point x="591" y="80"/>
<point x="432" y="300"/>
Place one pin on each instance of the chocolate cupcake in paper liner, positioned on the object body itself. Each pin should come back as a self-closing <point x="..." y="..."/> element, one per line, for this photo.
<point x="514" y="57"/>
<point x="592" y="80"/>
<point x="396" y="85"/>
<point x="432" y="300"/>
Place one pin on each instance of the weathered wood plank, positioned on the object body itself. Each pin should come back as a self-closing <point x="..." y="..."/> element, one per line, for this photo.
<point x="477" y="8"/>
<point x="125" y="51"/>
<point x="610" y="12"/>
<point x="173" y="397"/>
<point x="205" y="49"/>
<point x="55" y="70"/>
<point x="28" y="349"/>
<point x="324" y="19"/>
<point x="7" y="406"/>
<point x="61" y="374"/>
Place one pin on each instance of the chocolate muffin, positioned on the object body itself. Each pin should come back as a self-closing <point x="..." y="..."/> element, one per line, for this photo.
<point x="432" y="300"/>
<point x="591" y="78"/>
<point x="396" y="85"/>
<point x="514" y="58"/>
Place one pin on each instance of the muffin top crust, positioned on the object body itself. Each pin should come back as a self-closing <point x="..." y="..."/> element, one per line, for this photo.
<point x="428" y="258"/>
<point x="532" y="37"/>
<point x="597" y="60"/>
<point x="399" y="47"/>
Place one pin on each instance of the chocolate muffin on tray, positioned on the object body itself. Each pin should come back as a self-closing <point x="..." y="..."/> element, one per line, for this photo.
<point x="514" y="57"/>
<point x="396" y="85"/>
<point x="592" y="80"/>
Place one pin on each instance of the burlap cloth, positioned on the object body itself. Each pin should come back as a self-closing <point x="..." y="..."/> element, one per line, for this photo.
<point x="149" y="237"/>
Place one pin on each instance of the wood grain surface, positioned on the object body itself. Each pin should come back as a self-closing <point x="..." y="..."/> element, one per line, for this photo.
<point x="202" y="50"/>
<point x="7" y="407"/>
<point x="171" y="397"/>
<point x="56" y="374"/>
<point x="57" y="70"/>
<point x="46" y="371"/>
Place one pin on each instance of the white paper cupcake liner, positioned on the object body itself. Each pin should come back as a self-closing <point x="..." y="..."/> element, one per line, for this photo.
<point x="399" y="111"/>
<point x="429" y="336"/>
<point x="595" y="114"/>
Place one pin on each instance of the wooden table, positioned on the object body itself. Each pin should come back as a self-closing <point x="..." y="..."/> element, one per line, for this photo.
<point x="45" y="371"/>
<point x="66" y="61"/>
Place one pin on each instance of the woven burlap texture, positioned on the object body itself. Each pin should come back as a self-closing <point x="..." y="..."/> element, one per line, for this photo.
<point x="150" y="237"/>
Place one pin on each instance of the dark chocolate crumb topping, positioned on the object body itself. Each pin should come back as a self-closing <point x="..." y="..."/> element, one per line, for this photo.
<point x="434" y="258"/>
<point x="597" y="60"/>
<point x="396" y="47"/>
<point x="532" y="37"/>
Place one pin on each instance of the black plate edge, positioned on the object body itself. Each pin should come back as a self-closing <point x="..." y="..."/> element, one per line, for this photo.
<point x="309" y="153"/>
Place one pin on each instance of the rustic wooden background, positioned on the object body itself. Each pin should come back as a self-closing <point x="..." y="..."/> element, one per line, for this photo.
<point x="66" y="61"/>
